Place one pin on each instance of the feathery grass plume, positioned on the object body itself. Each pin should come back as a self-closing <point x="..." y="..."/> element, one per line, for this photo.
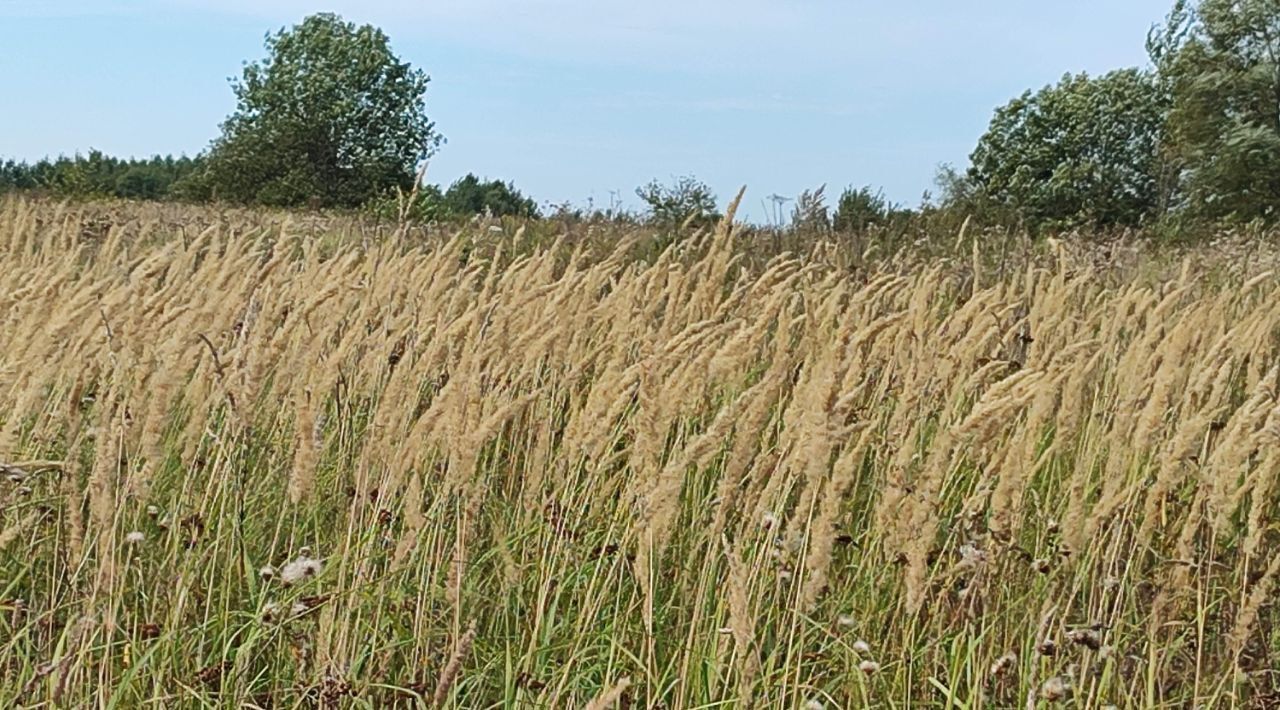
<point x="11" y="533"/>
<point x="414" y="520"/>
<point x="449" y="673"/>
<point x="512" y="426"/>
<point x="610" y="696"/>
<point x="823" y="531"/>
<point x="741" y="624"/>
<point x="1247" y="616"/>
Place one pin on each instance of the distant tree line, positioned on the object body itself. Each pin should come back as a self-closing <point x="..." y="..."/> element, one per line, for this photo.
<point x="331" y="117"/>
<point x="99" y="175"/>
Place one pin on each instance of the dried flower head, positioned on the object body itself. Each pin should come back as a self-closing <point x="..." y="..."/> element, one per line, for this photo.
<point x="1055" y="689"/>
<point x="1003" y="665"/>
<point x="302" y="568"/>
<point x="862" y="647"/>
<point x="846" y="620"/>
<point x="135" y="538"/>
<point x="1085" y="637"/>
<point x="972" y="557"/>
<point x="267" y="572"/>
<point x="1048" y="648"/>
<point x="153" y="511"/>
<point x="13" y="473"/>
<point x="869" y="667"/>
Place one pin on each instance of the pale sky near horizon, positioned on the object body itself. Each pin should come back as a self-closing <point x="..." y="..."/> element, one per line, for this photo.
<point x="573" y="99"/>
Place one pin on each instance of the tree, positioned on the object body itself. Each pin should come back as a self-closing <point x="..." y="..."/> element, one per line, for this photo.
<point x="1221" y="62"/>
<point x="811" y="212"/>
<point x="470" y="195"/>
<point x="858" y="209"/>
<point x="331" y="115"/>
<point x="1083" y="152"/>
<point x="687" y="200"/>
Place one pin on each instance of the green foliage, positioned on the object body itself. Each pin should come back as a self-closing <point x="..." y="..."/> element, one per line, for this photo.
<point x="1083" y="152"/>
<point x="1222" y="68"/>
<point x="470" y="195"/>
<point x="99" y="175"/>
<point x="860" y="209"/>
<point x="687" y="201"/>
<point x="330" y="116"/>
<point x="466" y="197"/>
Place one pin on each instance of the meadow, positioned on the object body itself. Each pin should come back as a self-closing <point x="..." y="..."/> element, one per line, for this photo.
<point x="261" y="460"/>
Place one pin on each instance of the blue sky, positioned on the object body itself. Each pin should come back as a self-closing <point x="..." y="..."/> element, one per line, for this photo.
<point x="573" y="99"/>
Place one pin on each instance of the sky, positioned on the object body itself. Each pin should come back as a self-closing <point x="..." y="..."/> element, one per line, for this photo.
<point x="581" y="101"/>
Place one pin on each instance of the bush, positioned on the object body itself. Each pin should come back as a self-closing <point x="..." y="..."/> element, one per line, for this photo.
<point x="686" y="202"/>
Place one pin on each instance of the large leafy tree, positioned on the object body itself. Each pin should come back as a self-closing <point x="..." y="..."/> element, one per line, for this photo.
<point x="1082" y="152"/>
<point x="330" y="116"/>
<point x="1221" y="63"/>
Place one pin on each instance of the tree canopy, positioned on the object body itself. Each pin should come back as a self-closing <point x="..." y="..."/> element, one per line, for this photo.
<point x="686" y="201"/>
<point x="1083" y="151"/>
<point x="330" y="116"/>
<point x="1221" y="60"/>
<point x="470" y="195"/>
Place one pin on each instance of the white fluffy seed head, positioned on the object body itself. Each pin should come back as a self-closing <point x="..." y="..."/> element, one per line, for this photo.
<point x="813" y="704"/>
<point x="267" y="572"/>
<point x="862" y="647"/>
<point x="847" y="621"/>
<point x="869" y="667"/>
<point x="972" y="556"/>
<point x="135" y="538"/>
<point x="302" y="568"/>
<point x="1055" y="689"/>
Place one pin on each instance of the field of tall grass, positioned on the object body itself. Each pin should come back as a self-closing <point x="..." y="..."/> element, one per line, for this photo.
<point x="257" y="461"/>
